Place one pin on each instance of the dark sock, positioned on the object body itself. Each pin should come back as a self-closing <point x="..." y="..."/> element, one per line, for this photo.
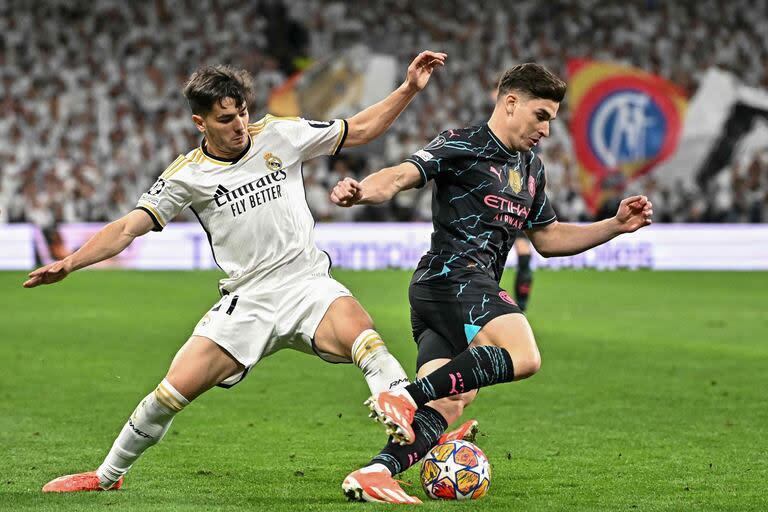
<point x="523" y="281"/>
<point x="428" y="425"/>
<point x="474" y="368"/>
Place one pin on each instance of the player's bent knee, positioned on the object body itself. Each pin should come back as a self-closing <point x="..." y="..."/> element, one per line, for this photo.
<point x="527" y="364"/>
<point x="199" y="365"/>
<point x="348" y="310"/>
<point x="341" y="325"/>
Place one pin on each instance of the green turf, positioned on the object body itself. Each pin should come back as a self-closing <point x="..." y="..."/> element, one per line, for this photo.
<point x="653" y="396"/>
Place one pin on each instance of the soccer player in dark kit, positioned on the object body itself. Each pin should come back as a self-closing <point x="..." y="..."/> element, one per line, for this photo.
<point x="489" y="186"/>
<point x="524" y="274"/>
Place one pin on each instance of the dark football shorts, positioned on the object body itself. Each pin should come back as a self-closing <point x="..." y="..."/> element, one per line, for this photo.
<point x="447" y="312"/>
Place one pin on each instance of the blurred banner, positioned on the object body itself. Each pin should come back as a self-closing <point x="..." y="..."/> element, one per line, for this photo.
<point x="624" y="122"/>
<point x="337" y="86"/>
<point x="371" y="246"/>
<point x="17" y="246"/>
<point x="726" y="124"/>
<point x="707" y="113"/>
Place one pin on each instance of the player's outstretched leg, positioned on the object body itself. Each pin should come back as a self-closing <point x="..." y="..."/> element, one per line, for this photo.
<point x="347" y="331"/>
<point x="380" y="368"/>
<point x="488" y="361"/>
<point x="472" y="369"/>
<point x="199" y="365"/>
<point x="146" y="427"/>
<point x="375" y="483"/>
<point x="429" y="424"/>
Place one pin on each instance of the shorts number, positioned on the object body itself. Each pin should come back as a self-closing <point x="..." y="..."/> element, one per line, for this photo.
<point x="232" y="305"/>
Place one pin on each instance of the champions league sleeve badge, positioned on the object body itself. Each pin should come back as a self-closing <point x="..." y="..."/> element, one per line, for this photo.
<point x="157" y="187"/>
<point x="436" y="143"/>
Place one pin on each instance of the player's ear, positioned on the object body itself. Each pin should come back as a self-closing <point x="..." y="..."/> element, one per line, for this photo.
<point x="199" y="122"/>
<point x="510" y="102"/>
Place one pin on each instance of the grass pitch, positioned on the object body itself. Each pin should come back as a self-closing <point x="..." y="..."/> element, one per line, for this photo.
<point x="653" y="396"/>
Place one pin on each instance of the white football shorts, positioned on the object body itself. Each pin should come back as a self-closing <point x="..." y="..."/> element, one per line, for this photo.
<point x="258" y="321"/>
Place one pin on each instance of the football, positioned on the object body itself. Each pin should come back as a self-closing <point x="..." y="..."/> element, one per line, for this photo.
<point x="456" y="470"/>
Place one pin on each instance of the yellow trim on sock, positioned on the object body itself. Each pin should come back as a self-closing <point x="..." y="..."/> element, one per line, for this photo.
<point x="368" y="346"/>
<point x="361" y="346"/>
<point x="370" y="338"/>
<point x="370" y="350"/>
<point x="166" y="398"/>
<point x="162" y="400"/>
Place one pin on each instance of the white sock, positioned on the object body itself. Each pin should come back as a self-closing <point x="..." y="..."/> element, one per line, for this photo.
<point x="146" y="427"/>
<point x="381" y="370"/>
<point x="374" y="468"/>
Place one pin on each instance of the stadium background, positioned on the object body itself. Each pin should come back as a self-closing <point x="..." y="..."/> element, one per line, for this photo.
<point x="663" y="373"/>
<point x="94" y="113"/>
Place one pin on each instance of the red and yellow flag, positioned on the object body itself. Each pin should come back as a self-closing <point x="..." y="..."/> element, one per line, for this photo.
<point x="624" y="122"/>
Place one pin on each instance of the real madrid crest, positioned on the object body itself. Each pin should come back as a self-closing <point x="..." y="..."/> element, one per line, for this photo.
<point x="273" y="162"/>
<point x="515" y="180"/>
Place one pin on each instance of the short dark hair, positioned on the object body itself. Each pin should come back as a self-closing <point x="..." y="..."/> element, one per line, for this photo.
<point x="210" y="84"/>
<point x="534" y="80"/>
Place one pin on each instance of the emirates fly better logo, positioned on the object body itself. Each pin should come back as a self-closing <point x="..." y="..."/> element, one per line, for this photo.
<point x="252" y="194"/>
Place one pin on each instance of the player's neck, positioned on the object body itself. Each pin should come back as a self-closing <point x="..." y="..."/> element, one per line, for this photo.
<point x="219" y="154"/>
<point x="498" y="127"/>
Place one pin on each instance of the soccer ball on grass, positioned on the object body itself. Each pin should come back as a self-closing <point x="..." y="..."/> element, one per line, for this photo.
<point x="456" y="470"/>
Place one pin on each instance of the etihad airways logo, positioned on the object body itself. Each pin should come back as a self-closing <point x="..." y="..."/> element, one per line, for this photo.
<point x="505" y="205"/>
<point x="510" y="212"/>
<point x="222" y="196"/>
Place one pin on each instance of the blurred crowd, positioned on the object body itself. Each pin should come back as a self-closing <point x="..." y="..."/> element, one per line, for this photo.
<point x="93" y="111"/>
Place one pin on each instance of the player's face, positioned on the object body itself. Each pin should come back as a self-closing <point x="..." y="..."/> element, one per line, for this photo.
<point x="225" y="128"/>
<point x="530" y="122"/>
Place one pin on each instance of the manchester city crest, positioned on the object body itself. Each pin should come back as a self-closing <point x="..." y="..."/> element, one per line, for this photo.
<point x="273" y="162"/>
<point x="515" y="180"/>
<point x="532" y="185"/>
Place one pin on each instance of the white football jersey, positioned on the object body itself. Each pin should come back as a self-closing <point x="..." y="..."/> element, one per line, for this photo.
<point x="254" y="210"/>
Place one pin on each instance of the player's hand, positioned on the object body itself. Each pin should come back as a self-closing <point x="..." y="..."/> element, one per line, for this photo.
<point x="421" y="69"/>
<point x="347" y="192"/>
<point x="49" y="274"/>
<point x="634" y="213"/>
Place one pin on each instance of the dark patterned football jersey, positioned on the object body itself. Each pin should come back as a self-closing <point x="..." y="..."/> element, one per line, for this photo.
<point x="484" y="195"/>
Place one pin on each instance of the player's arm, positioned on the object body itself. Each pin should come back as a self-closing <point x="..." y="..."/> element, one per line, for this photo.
<point x="378" y="187"/>
<point x="108" y="242"/>
<point x="373" y="121"/>
<point x="563" y="239"/>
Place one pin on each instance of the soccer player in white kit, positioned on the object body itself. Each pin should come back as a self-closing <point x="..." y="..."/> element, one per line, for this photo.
<point x="245" y="186"/>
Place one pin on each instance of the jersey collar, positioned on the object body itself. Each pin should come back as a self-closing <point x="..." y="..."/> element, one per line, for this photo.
<point x="221" y="160"/>
<point x="507" y="150"/>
